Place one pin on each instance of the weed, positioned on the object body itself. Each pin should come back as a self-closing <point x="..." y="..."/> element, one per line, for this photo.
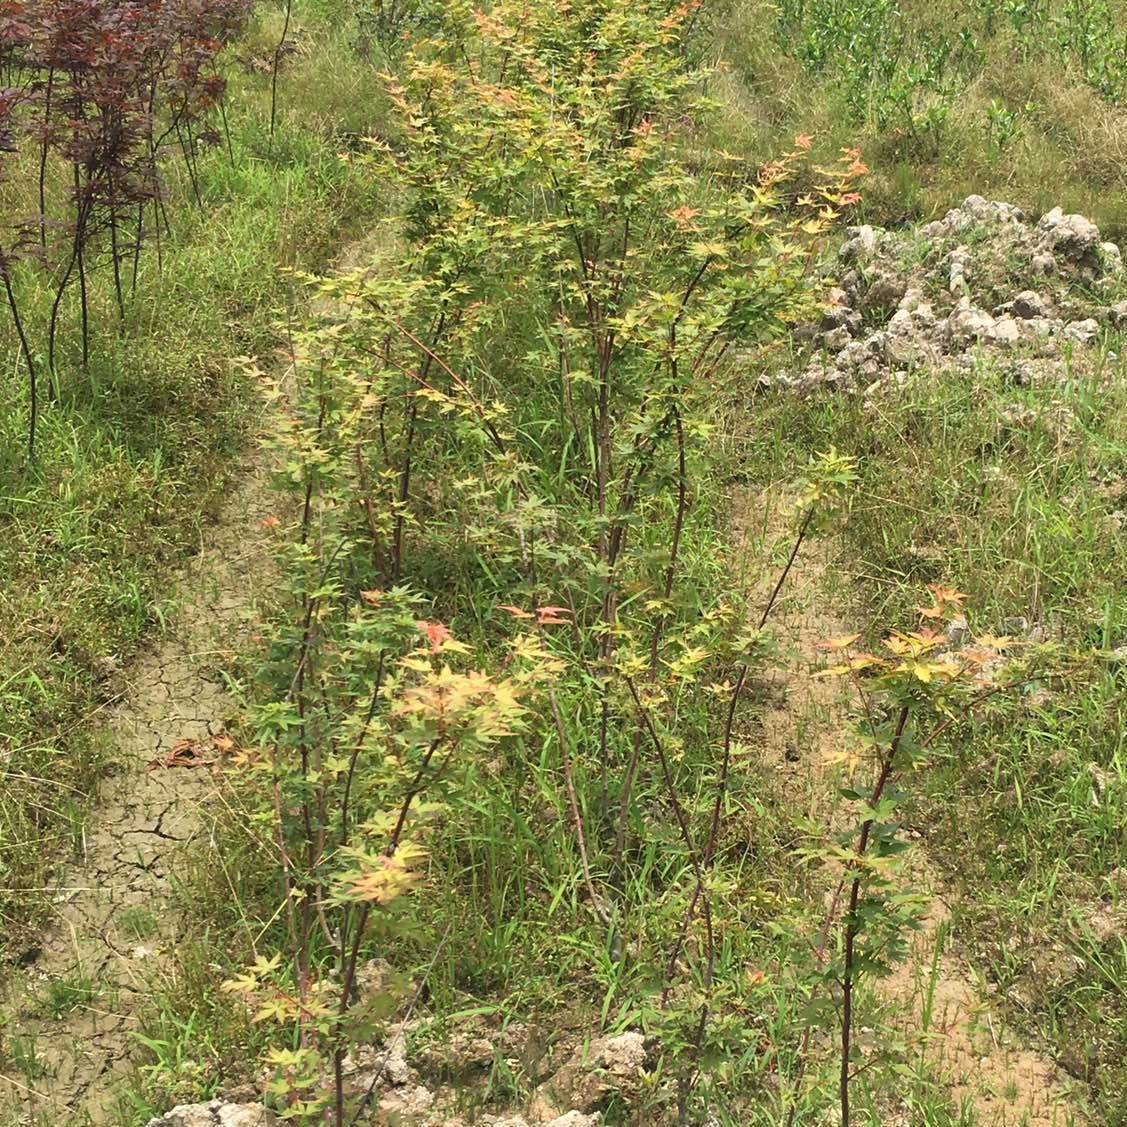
<point x="138" y="921"/>
<point x="20" y="1053"/>
<point x="944" y="101"/>
<point x="62" y="995"/>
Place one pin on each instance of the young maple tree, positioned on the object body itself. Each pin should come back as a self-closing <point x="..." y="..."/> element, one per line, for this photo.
<point x="555" y="323"/>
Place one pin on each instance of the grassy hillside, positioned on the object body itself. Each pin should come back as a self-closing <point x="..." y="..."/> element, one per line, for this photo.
<point x="1017" y="101"/>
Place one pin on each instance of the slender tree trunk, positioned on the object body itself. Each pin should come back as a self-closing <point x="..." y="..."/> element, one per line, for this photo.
<point x="80" y="252"/>
<point x="52" y="329"/>
<point x="115" y="253"/>
<point x="274" y="72"/>
<point x="189" y="166"/>
<point x="43" y="159"/>
<point x="226" y="131"/>
<point x="29" y="360"/>
<point x="137" y="248"/>
<point x="851" y="926"/>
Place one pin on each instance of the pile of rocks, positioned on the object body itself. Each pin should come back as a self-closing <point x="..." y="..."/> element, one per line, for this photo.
<point x="574" y="1095"/>
<point x="932" y="295"/>
<point x="216" y="1113"/>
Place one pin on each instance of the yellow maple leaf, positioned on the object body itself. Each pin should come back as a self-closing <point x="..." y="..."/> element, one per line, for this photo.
<point x="838" y="642"/>
<point x="995" y="641"/>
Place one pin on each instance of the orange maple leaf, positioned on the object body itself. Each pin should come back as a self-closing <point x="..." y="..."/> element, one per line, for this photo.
<point x="435" y="633"/>
<point x="552" y="616"/>
<point x="943" y="594"/>
<point x="945" y="599"/>
<point x="683" y="216"/>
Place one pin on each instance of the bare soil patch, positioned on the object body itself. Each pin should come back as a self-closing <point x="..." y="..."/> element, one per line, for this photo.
<point x="69" y="1018"/>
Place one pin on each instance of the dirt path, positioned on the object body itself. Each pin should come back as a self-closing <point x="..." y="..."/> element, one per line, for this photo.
<point x="68" y="1020"/>
<point x="804" y="732"/>
<point x="964" y="1038"/>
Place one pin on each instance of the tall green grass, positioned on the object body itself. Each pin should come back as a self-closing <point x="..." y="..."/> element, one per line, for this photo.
<point x="1023" y="102"/>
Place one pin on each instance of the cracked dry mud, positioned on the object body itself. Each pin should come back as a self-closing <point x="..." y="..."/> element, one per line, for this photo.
<point x="115" y="929"/>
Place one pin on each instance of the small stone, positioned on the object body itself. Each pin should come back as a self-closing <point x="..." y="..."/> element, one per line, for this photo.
<point x="216" y="1113"/>
<point x="839" y="315"/>
<point x="957" y="278"/>
<point x="1028" y="304"/>
<point x="852" y="283"/>
<point x="245" y="1115"/>
<point x="924" y="316"/>
<point x="407" y="1101"/>
<point x="1043" y="263"/>
<point x="1005" y="332"/>
<point x="851" y="355"/>
<point x="624" y="1055"/>
<point x="373" y="977"/>
<point x="1084" y="331"/>
<point x="1112" y="258"/>
<point x="911" y="301"/>
<point x="968" y="323"/>
<point x="396" y="1070"/>
<point x="1018" y="415"/>
<point x="835" y="339"/>
<point x="591" y="1075"/>
<point x="1072" y="237"/>
<point x="862" y="244"/>
<point x="1043" y="326"/>
<point x="186" y="1115"/>
<point x="901" y="344"/>
<point x="957" y="631"/>
<point x="884" y="292"/>
<point x="1117" y="315"/>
